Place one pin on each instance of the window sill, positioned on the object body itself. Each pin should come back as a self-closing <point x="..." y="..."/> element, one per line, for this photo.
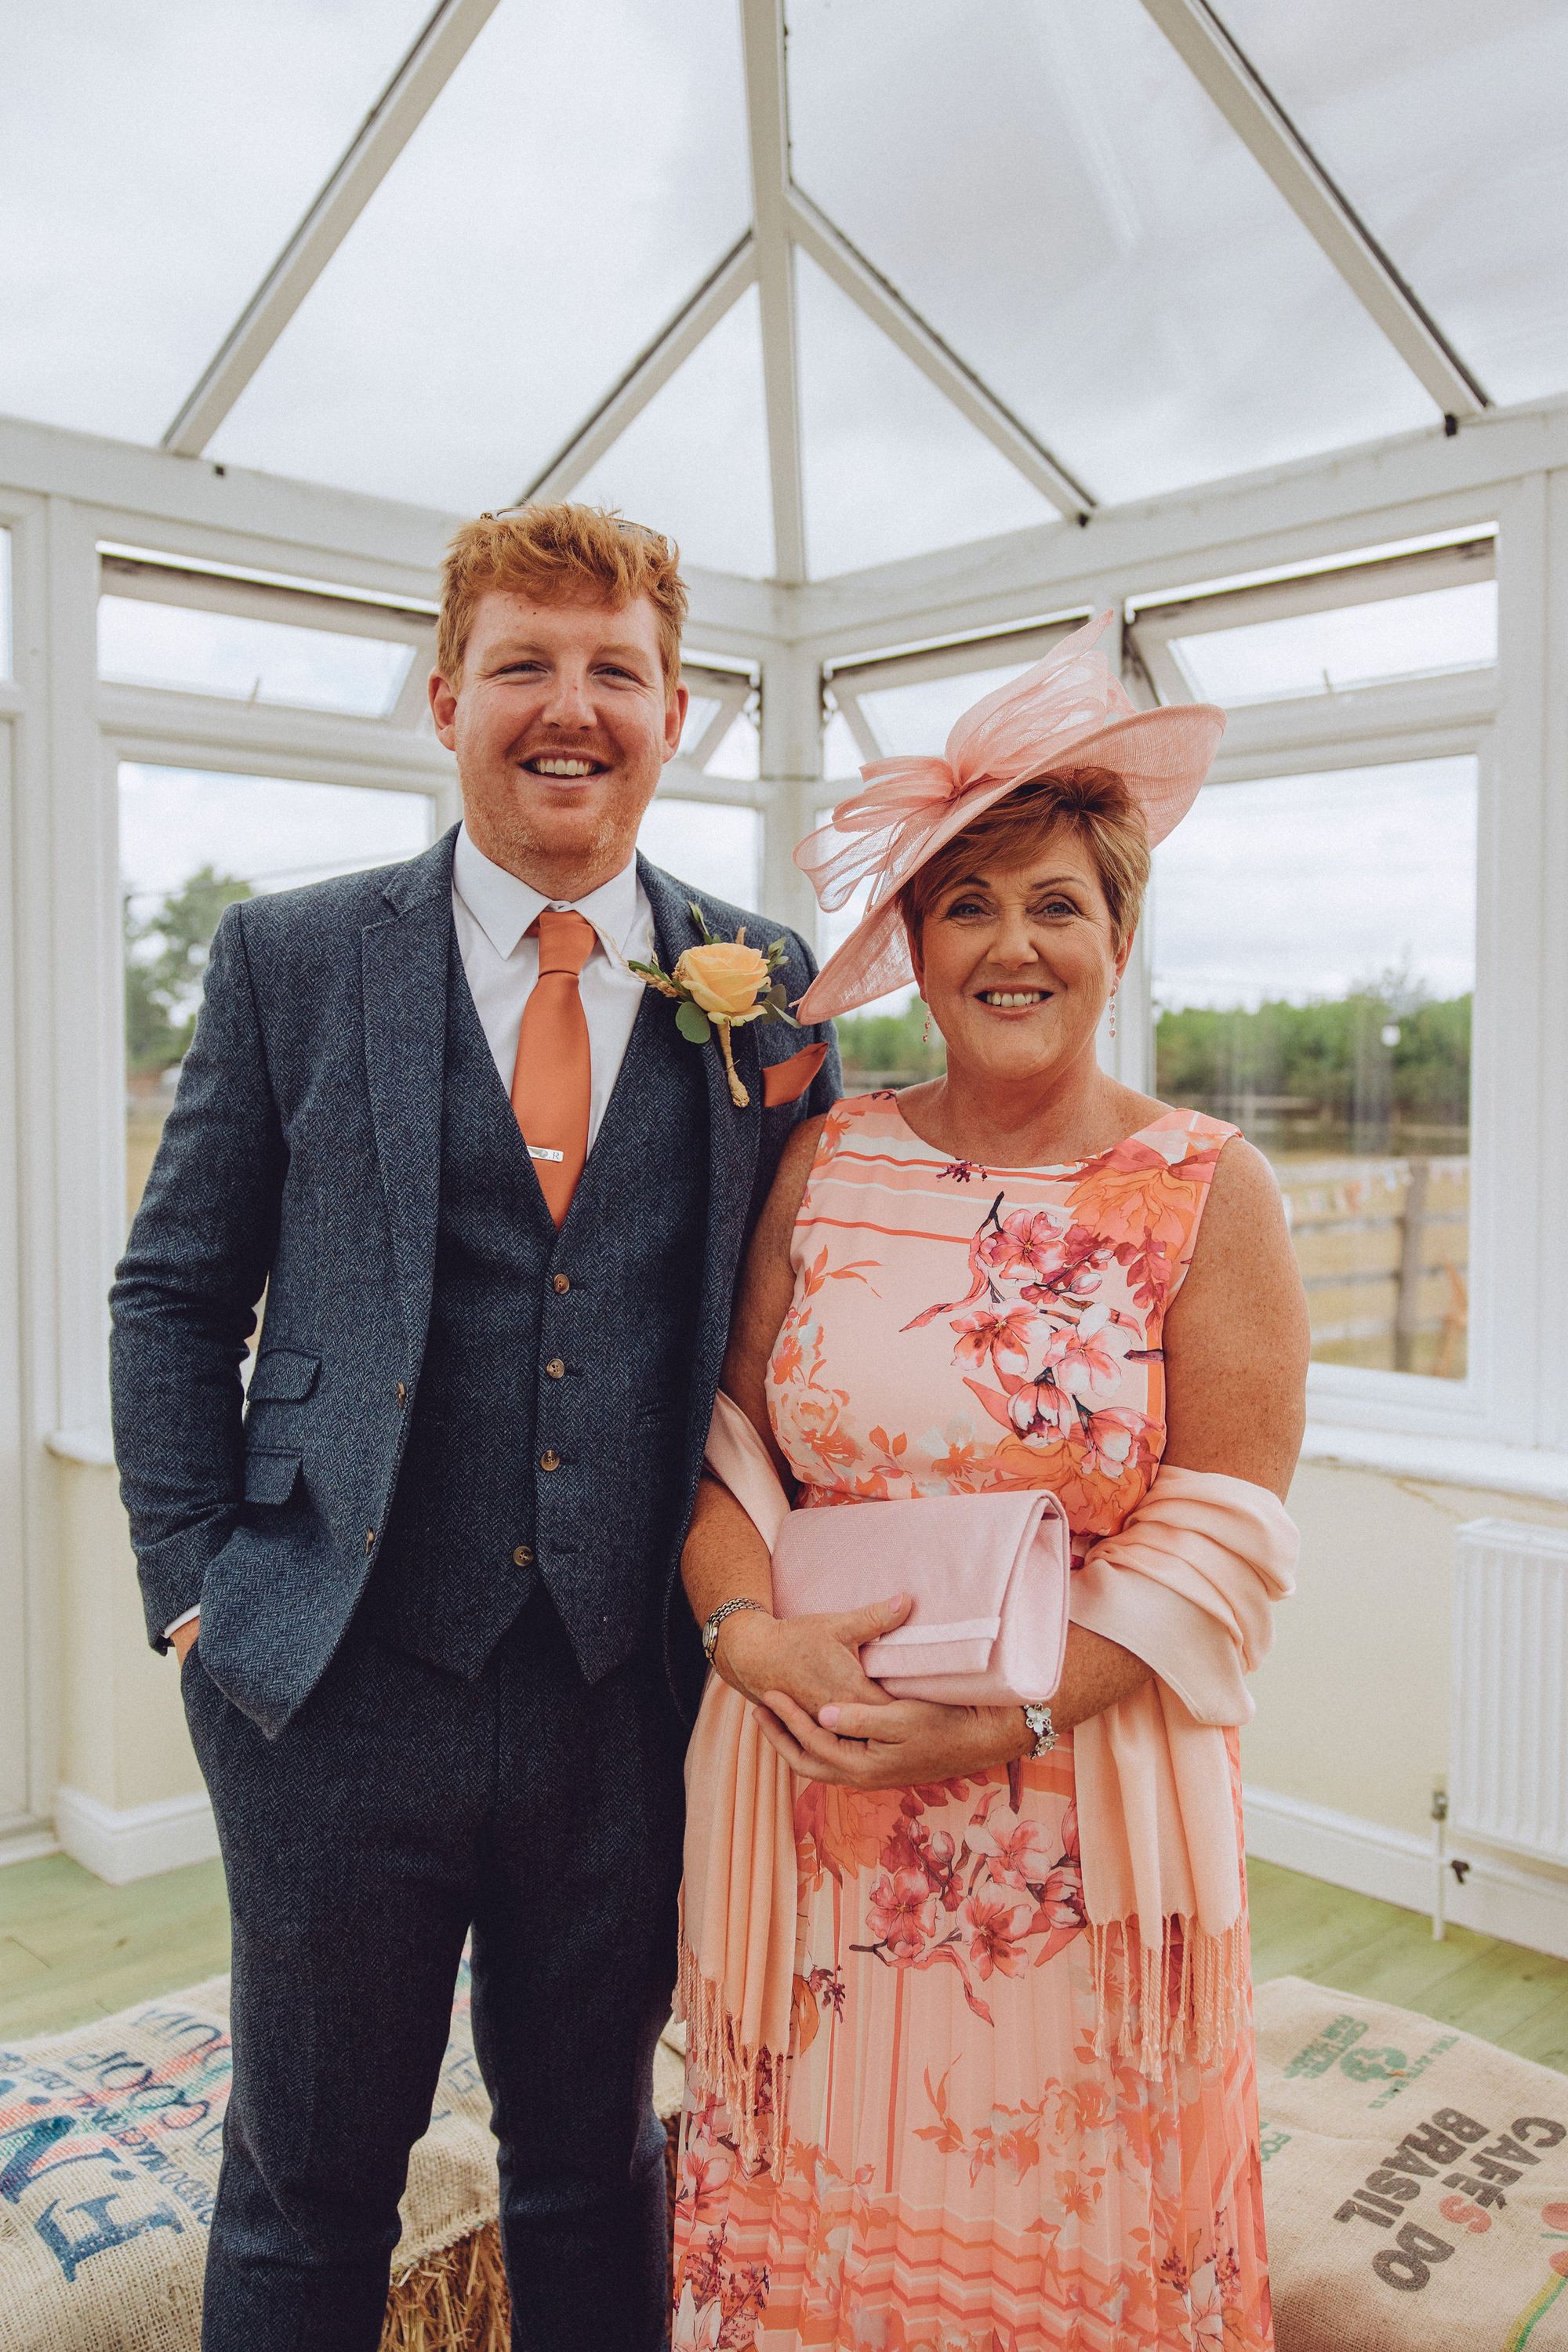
<point x="94" y="1447"/>
<point x="1440" y="1460"/>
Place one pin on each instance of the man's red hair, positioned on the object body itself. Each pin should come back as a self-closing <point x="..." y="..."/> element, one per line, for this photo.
<point x="560" y="554"/>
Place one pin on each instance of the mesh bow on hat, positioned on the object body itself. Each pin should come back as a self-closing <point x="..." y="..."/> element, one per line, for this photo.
<point x="1067" y="713"/>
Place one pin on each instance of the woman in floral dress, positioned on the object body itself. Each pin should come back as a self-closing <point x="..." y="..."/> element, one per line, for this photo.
<point x="1021" y="1275"/>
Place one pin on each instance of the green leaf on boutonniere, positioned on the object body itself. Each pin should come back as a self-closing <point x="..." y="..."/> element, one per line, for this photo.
<point x="778" y="997"/>
<point x="693" y="1023"/>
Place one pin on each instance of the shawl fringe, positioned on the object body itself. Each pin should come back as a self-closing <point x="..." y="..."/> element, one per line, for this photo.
<point x="1185" y="1997"/>
<point x="750" y="2082"/>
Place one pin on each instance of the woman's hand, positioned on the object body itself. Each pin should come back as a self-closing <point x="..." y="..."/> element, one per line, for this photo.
<point x="897" y="1744"/>
<point x="815" y="1660"/>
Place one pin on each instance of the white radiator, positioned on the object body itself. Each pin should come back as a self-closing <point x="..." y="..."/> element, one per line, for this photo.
<point x="1509" y="1750"/>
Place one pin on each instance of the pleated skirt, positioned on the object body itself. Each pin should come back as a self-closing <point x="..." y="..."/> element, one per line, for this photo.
<point x="962" y="2171"/>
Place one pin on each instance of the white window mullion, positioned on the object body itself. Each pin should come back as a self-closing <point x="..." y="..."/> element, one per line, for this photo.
<point x="1525" y="879"/>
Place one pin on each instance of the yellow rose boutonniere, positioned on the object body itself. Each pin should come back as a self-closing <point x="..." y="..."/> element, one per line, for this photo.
<point x="721" y="986"/>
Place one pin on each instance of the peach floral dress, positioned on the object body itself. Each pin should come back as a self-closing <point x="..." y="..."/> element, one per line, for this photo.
<point x="960" y="2171"/>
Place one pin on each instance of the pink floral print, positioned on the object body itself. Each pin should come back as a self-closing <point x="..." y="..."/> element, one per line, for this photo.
<point x="962" y="2171"/>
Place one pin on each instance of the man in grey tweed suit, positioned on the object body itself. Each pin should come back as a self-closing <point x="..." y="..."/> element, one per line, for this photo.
<point x="422" y="1574"/>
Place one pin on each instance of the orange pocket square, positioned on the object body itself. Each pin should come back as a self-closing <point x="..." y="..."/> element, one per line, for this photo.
<point x="786" y="1082"/>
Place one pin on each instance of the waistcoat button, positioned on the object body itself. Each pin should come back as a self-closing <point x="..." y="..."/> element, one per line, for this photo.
<point x="556" y="1368"/>
<point x="550" y="1459"/>
<point x="522" y="1556"/>
<point x="402" y="1393"/>
<point x="561" y="1284"/>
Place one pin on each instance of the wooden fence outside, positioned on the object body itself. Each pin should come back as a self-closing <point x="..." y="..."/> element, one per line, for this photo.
<point x="1384" y="1249"/>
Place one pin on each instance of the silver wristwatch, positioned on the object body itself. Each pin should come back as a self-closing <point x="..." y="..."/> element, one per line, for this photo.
<point x="711" y="1630"/>
<point x="1038" y="1719"/>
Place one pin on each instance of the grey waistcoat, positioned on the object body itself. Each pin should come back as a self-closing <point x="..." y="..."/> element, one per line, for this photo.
<point x="477" y="1521"/>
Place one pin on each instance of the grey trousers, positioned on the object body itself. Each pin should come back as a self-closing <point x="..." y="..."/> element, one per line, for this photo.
<point x="402" y="1807"/>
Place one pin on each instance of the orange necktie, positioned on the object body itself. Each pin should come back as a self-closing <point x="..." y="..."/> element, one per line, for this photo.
<point x="550" y="1080"/>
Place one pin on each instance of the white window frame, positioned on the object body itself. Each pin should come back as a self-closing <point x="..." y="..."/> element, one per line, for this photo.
<point x="61" y="1196"/>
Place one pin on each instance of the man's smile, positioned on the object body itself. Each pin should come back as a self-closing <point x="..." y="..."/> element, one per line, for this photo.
<point x="563" y="767"/>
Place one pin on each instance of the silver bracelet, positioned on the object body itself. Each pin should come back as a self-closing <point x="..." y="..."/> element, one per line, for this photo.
<point x="711" y="1630"/>
<point x="1044" y="1731"/>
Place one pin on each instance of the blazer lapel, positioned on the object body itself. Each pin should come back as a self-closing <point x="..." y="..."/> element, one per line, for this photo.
<point x="733" y="1136"/>
<point x="405" y="969"/>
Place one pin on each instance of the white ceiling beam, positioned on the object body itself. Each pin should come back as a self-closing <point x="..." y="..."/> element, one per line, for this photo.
<point x="386" y="129"/>
<point x="1254" y="114"/>
<point x="1386" y="491"/>
<point x="648" y="374"/>
<point x="767" y="120"/>
<point x="903" y="325"/>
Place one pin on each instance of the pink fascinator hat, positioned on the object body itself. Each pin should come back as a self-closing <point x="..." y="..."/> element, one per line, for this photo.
<point x="1069" y="712"/>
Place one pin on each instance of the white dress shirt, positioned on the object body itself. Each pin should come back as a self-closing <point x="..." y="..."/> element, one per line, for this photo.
<point x="493" y="911"/>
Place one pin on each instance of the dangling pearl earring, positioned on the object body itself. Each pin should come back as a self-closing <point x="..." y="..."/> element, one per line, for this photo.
<point x="1113" y="994"/>
<point x="925" y="1034"/>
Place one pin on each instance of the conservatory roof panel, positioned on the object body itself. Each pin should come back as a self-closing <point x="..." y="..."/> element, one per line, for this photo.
<point x="1148" y="303"/>
<point x="581" y="170"/>
<point x="695" y="461"/>
<point x="152" y="163"/>
<point x="890" y="468"/>
<point x="1448" y="131"/>
<point x="813" y="284"/>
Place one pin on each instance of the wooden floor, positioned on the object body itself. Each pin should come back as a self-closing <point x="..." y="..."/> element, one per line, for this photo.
<point x="72" y="1948"/>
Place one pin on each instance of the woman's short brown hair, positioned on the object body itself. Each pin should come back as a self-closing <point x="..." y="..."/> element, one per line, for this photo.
<point x="1094" y="803"/>
<point x="560" y="554"/>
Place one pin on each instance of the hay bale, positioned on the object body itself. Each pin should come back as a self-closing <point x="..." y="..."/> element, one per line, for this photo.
<point x="452" y="2300"/>
<point x="1414" y="2182"/>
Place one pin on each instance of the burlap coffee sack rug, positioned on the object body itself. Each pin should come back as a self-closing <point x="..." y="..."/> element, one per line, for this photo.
<point x="1414" y="2182"/>
<point x="109" y="2143"/>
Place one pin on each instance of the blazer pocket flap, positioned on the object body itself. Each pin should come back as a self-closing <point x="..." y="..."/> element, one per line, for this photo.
<point x="286" y="1373"/>
<point x="786" y="1082"/>
<point x="270" y="1477"/>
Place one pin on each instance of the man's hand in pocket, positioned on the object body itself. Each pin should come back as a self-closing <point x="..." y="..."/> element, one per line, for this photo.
<point x="182" y="1638"/>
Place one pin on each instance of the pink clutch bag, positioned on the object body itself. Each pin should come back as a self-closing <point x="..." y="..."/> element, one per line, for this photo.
<point x="987" y="1573"/>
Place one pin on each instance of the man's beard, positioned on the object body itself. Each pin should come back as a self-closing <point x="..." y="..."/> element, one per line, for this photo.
<point x="537" y="844"/>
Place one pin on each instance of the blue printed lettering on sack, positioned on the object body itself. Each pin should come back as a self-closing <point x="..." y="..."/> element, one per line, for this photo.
<point x="103" y="2148"/>
<point x="1321" y="2051"/>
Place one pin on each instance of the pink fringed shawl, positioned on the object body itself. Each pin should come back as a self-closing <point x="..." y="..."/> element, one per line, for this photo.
<point x="1187" y="1584"/>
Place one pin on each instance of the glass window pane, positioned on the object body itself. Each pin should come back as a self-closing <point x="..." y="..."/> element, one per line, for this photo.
<point x="190" y="842"/>
<point x="1320" y="652"/>
<point x="142" y="644"/>
<point x="695" y="462"/>
<point x="884" y="1044"/>
<point x="582" y="173"/>
<point x="1314" y="969"/>
<point x="1054" y="191"/>
<point x="154" y="161"/>
<point x="890" y="468"/>
<point x="708" y="844"/>
<point x="1444" y="125"/>
<point x="842" y="756"/>
<point x="701" y="712"/>
<point x="738" y="758"/>
<point x="919" y="717"/>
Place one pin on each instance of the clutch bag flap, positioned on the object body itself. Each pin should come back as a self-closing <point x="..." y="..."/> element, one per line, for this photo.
<point x="988" y="1575"/>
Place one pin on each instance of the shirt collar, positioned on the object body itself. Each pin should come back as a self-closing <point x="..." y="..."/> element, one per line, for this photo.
<point x="504" y="906"/>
